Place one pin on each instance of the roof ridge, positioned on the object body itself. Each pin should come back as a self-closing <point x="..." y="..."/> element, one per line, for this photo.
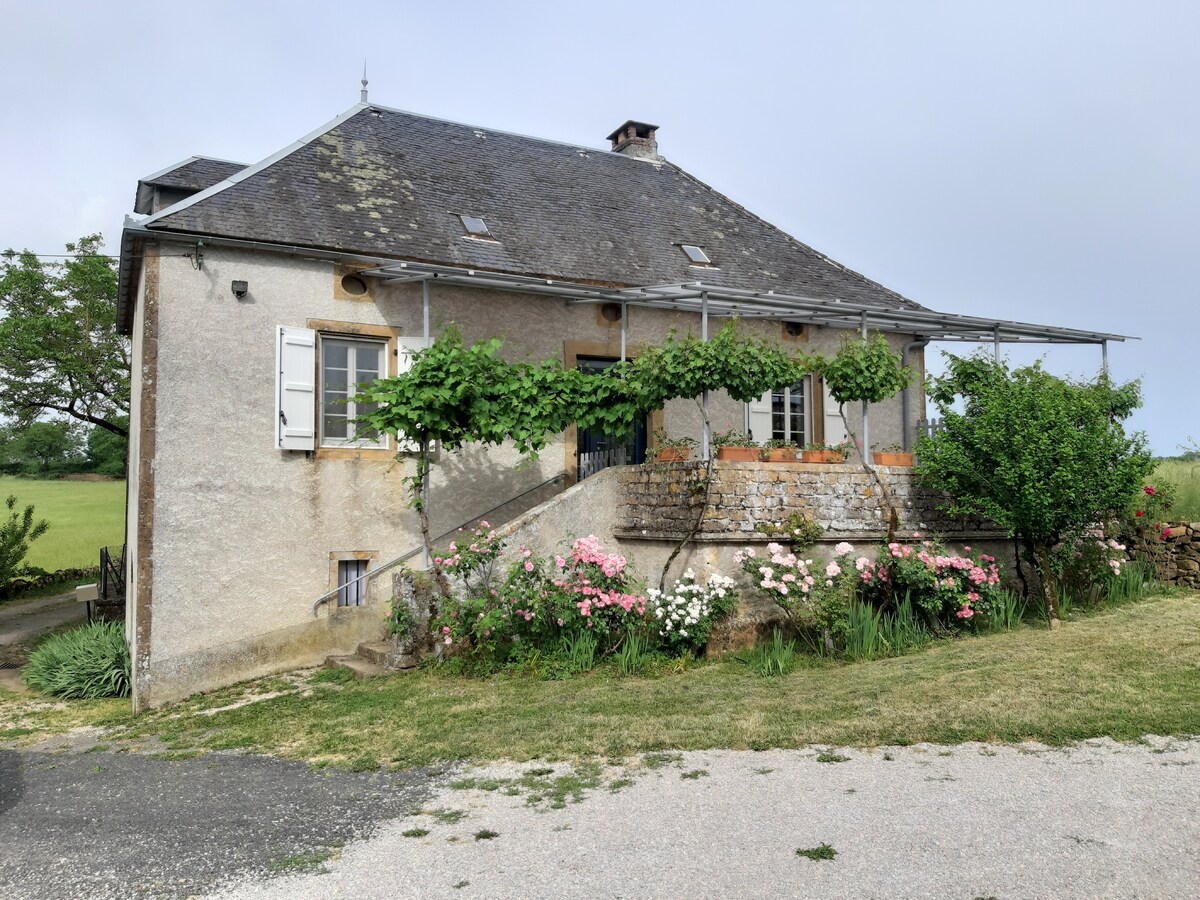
<point x="257" y="167"/>
<point x="516" y="134"/>
<point x="790" y="237"/>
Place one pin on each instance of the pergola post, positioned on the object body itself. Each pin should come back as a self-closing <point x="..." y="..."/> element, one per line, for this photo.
<point x="996" y="343"/>
<point x="624" y="314"/>
<point x="865" y="450"/>
<point x="706" y="438"/>
<point x="426" y="561"/>
<point x="1104" y="357"/>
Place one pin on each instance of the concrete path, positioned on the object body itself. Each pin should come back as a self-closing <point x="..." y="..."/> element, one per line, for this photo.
<point x="22" y="622"/>
<point x="973" y="821"/>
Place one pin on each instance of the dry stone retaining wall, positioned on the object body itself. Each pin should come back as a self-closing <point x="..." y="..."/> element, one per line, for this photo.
<point x="662" y="501"/>
<point x="1176" y="560"/>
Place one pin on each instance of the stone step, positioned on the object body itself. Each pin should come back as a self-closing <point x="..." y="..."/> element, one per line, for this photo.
<point x="356" y="664"/>
<point x="377" y="652"/>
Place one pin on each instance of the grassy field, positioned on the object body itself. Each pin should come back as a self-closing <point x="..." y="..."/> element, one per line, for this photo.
<point x="1186" y="478"/>
<point x="83" y="515"/>
<point x="1124" y="672"/>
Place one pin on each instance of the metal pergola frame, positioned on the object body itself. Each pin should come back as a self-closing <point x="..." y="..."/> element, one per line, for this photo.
<point x="708" y="300"/>
<point x="697" y="296"/>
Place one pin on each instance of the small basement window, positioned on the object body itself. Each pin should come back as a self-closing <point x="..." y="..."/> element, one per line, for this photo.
<point x="477" y="228"/>
<point x="697" y="256"/>
<point x="352" y="587"/>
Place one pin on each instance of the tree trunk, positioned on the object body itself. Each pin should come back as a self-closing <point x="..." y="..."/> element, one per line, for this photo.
<point x="1041" y="555"/>
<point x="893" y="511"/>
<point x="708" y="477"/>
<point x="420" y="496"/>
<point x="1020" y="568"/>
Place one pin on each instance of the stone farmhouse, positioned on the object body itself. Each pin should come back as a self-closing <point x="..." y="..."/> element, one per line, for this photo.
<point x="258" y="297"/>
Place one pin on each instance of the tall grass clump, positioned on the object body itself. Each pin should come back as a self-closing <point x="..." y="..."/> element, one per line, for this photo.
<point x="772" y="659"/>
<point x="82" y="664"/>
<point x="1007" y="610"/>
<point x="872" y="634"/>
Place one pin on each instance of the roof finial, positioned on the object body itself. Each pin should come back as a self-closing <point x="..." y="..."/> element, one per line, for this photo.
<point x="362" y="95"/>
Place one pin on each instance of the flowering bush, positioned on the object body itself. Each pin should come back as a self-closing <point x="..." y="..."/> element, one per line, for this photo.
<point x="685" y="615"/>
<point x="541" y="600"/>
<point x="948" y="587"/>
<point x="471" y="557"/>
<point x="1088" y="562"/>
<point x="811" y="594"/>
<point x="1150" y="508"/>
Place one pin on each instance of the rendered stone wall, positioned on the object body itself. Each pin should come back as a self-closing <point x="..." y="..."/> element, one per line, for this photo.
<point x="1176" y="559"/>
<point x="662" y="502"/>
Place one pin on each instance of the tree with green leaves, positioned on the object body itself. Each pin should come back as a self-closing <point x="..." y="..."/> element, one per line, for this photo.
<point x="46" y="447"/>
<point x="17" y="532"/>
<point x="59" y="348"/>
<point x="866" y="370"/>
<point x="1043" y="457"/>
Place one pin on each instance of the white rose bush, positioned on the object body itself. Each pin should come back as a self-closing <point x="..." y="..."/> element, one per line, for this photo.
<point x="684" y="616"/>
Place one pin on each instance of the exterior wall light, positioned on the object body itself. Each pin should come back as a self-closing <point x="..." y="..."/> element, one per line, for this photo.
<point x="240" y="289"/>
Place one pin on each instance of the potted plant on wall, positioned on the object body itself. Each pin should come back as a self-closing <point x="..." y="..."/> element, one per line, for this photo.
<point x="817" y="452"/>
<point x="892" y="455"/>
<point x="669" y="449"/>
<point x="736" y="446"/>
<point x="779" y="450"/>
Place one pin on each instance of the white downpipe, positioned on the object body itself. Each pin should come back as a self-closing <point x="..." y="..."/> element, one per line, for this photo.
<point x="706" y="441"/>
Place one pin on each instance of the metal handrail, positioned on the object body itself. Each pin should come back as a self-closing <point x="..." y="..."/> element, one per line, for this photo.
<point x="409" y="554"/>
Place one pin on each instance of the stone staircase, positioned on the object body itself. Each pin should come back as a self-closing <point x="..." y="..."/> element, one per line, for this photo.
<point x="372" y="659"/>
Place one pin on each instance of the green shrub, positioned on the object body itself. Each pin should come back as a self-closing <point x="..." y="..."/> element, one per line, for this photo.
<point x="84" y="663"/>
<point x="15" y="536"/>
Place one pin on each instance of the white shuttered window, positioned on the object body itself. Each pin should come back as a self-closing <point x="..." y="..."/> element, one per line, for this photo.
<point x="782" y="415"/>
<point x="347" y="365"/>
<point x="295" y="393"/>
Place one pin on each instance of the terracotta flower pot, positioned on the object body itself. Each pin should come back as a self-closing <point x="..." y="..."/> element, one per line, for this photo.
<point x="780" y="454"/>
<point x="822" y="456"/>
<point x="738" y="454"/>
<point x="672" y="454"/>
<point x="892" y="459"/>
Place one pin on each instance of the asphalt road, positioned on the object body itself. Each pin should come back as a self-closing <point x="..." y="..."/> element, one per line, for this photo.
<point x="123" y="825"/>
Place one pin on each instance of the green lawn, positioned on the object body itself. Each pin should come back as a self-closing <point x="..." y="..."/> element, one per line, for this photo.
<point x="83" y="515"/>
<point x="1185" y="475"/>
<point x="1124" y="672"/>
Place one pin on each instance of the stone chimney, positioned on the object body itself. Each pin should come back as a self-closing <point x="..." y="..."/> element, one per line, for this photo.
<point x="635" y="139"/>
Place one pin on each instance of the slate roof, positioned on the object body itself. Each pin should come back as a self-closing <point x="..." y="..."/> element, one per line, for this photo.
<point x="387" y="183"/>
<point x="195" y="174"/>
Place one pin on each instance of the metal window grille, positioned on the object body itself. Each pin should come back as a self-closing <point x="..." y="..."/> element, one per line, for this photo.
<point x="352" y="592"/>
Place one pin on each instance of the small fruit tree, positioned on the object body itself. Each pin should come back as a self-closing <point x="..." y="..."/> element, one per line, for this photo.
<point x="868" y="371"/>
<point x="1040" y="456"/>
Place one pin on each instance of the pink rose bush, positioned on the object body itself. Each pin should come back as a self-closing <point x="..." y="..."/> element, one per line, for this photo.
<point x="544" y="599"/>
<point x="811" y="594"/>
<point x="949" y="588"/>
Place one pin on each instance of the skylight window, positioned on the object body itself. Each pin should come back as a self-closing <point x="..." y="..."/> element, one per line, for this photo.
<point x="477" y="228"/>
<point x="696" y="255"/>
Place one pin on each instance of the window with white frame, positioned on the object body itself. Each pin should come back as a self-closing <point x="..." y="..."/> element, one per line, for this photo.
<point x="783" y="414"/>
<point x="347" y="364"/>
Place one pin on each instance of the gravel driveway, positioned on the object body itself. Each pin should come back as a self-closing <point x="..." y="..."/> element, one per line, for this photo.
<point x="972" y="821"/>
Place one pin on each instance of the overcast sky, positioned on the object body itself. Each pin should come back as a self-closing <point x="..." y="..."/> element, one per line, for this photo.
<point x="1034" y="161"/>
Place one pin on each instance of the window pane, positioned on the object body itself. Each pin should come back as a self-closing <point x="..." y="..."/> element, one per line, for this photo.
<point x="335" y="426"/>
<point x="336" y="354"/>
<point x="367" y="364"/>
<point x="778" y="423"/>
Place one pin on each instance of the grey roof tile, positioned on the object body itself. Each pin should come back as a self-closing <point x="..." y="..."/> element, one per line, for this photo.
<point x="196" y="174"/>
<point x="393" y="184"/>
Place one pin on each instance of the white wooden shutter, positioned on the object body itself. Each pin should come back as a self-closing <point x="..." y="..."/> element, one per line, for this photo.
<point x="758" y="418"/>
<point x="835" y="428"/>
<point x="404" y="351"/>
<point x="295" y="389"/>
